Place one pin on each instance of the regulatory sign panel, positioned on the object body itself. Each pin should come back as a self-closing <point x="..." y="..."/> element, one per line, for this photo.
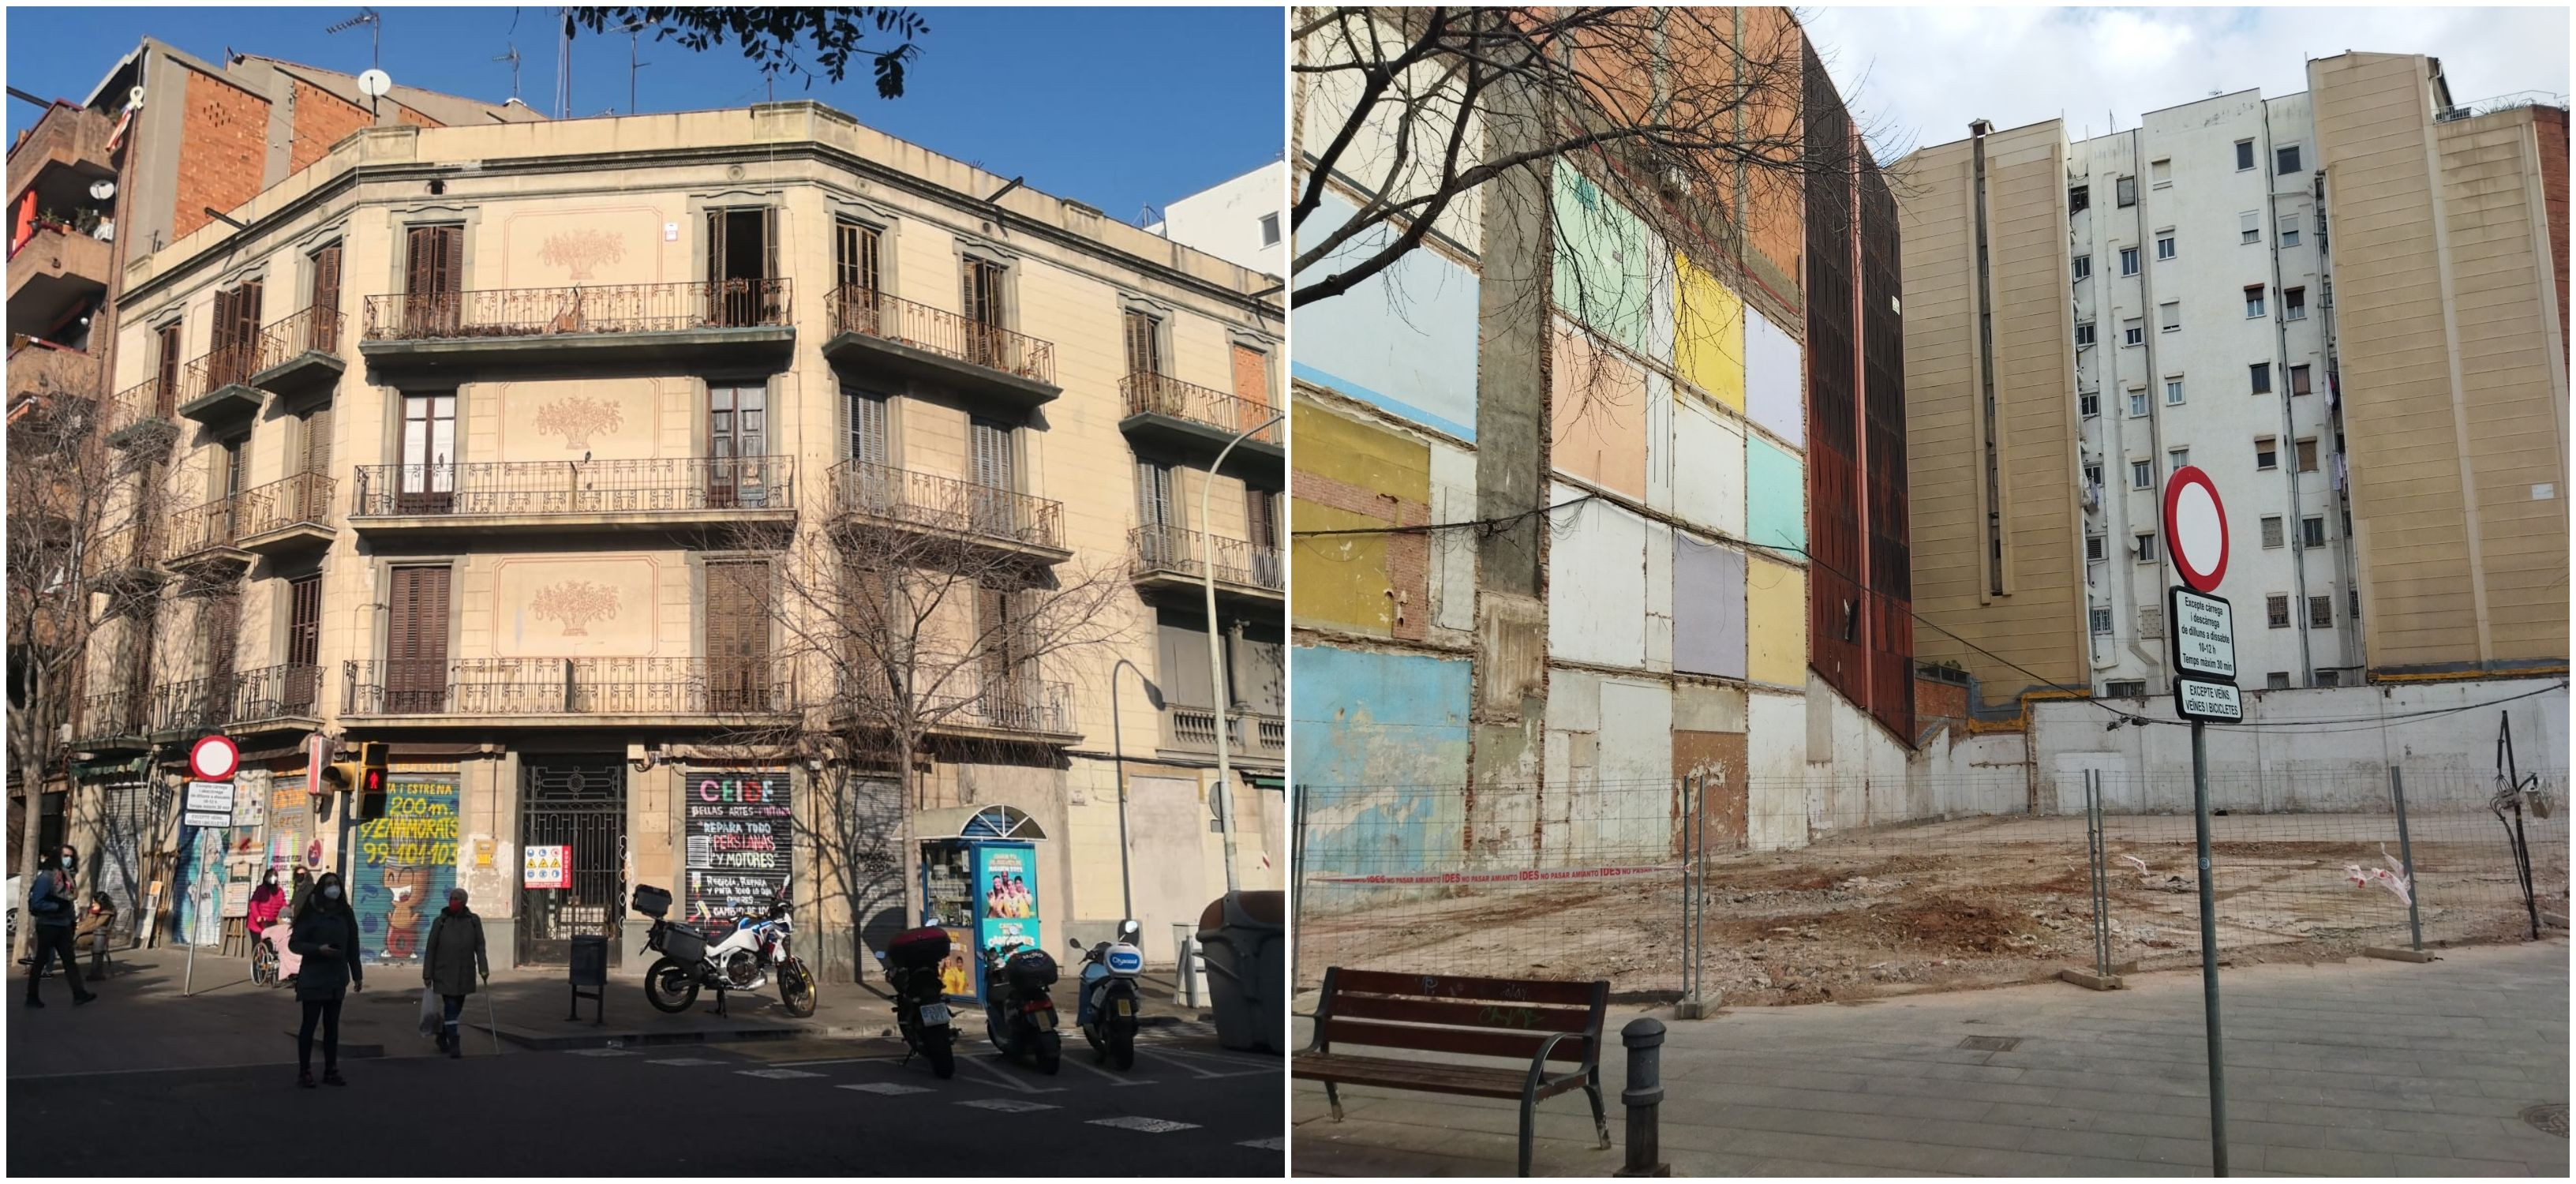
<point x="546" y="866"/>
<point x="2195" y="699"/>
<point x="207" y="821"/>
<point x="2196" y="528"/>
<point x="214" y="758"/>
<point x="211" y="797"/>
<point x="2203" y="629"/>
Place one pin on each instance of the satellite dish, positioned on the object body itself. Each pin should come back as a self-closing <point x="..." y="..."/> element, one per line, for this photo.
<point x="102" y="189"/>
<point x="375" y="84"/>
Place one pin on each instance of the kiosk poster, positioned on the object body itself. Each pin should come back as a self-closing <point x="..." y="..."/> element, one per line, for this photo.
<point x="1005" y="882"/>
<point x="739" y="834"/>
<point x="406" y="862"/>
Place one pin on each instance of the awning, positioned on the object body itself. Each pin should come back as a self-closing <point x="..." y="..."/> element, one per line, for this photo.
<point x="977" y="822"/>
<point x="1259" y="781"/>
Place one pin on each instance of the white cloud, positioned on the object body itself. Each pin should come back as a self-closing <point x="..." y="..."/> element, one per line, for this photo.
<point x="1917" y="76"/>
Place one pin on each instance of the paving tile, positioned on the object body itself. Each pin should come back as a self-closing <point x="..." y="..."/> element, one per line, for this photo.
<point x="2449" y="1166"/>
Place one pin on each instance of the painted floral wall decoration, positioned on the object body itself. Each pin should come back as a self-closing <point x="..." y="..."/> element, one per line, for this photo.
<point x="575" y="603"/>
<point x="577" y="418"/>
<point x="582" y="251"/>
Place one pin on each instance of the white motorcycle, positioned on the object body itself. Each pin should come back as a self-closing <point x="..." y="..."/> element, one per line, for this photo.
<point x="742" y="960"/>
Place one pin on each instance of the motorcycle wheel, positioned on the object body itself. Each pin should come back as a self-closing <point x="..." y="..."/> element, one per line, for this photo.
<point x="796" y="989"/>
<point x="943" y="1059"/>
<point x="1047" y="1051"/>
<point x="1091" y="1032"/>
<point x="1122" y="1049"/>
<point x="670" y="987"/>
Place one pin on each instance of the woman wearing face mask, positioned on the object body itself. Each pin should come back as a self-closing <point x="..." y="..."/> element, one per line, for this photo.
<point x="326" y="935"/>
<point x="266" y="902"/>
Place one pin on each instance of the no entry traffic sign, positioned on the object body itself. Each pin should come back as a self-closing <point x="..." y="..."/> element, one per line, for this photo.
<point x="214" y="759"/>
<point x="2196" y="529"/>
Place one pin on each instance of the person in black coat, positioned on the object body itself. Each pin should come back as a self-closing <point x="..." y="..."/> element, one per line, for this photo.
<point x="326" y="937"/>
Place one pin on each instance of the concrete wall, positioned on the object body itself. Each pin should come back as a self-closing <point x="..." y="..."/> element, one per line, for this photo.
<point x="1224" y="219"/>
<point x="1404" y="341"/>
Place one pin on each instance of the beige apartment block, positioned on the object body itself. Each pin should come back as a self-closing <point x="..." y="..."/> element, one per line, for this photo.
<point x="2450" y="246"/>
<point x="529" y="450"/>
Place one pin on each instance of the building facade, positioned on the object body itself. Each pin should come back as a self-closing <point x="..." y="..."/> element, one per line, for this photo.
<point x="705" y="501"/>
<point x="2089" y="316"/>
<point x="1238" y="220"/>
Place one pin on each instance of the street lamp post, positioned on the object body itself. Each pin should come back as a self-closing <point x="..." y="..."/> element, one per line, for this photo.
<point x="1118" y="757"/>
<point x="1216" y="654"/>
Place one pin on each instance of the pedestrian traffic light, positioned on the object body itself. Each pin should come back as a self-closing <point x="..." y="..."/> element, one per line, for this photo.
<point x="364" y="775"/>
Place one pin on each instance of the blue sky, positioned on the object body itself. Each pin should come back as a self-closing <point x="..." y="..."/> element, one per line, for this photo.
<point x="1115" y="107"/>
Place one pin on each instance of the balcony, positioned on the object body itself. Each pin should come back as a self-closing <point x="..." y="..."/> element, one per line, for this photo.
<point x="579" y="330"/>
<point x="1020" y="711"/>
<point x="39" y="368"/>
<point x="285" y="517"/>
<point x="50" y="277"/>
<point x="144" y="415"/>
<point x="1196" y="422"/>
<point x="1167" y="559"/>
<point x="656" y="493"/>
<point x="933" y="511"/>
<point x="489" y="692"/>
<point x="69" y="138"/>
<point x="300" y="355"/>
<point x="125" y="561"/>
<point x="1248" y="736"/>
<point x="216" y="389"/>
<point x="877" y="333"/>
<point x="112" y="722"/>
<point x="205" y="540"/>
<point x="243" y="703"/>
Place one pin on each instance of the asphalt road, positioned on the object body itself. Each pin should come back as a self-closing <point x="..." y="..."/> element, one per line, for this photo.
<point x="1188" y="1108"/>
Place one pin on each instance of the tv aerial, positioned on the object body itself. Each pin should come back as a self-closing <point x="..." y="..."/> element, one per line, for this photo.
<point x="375" y="23"/>
<point x="511" y="57"/>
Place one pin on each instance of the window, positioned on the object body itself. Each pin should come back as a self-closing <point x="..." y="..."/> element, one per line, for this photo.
<point x="857" y="261"/>
<point x="2160" y="173"/>
<point x="2294" y="304"/>
<point x="2127" y="190"/>
<point x="869" y="442"/>
<point x="2249" y="226"/>
<point x="2084" y="333"/>
<point x="2096" y="549"/>
<point x="2173" y="391"/>
<point x="2093" y="476"/>
<point x="742" y="260"/>
<point x="2329" y="678"/>
<point x="2101" y="622"/>
<point x="2285" y="160"/>
<point x="2321" y="612"/>
<point x="2177" y="459"/>
<point x="2267" y="452"/>
<point x="2169" y="316"/>
<point x="2089" y="403"/>
<point x="986" y="301"/>
<point x="2276" y="610"/>
<point x="2299" y="380"/>
<point x="2146" y="552"/>
<point x="2312" y="532"/>
<point x="2142" y="474"/>
<point x="2165" y="245"/>
<point x="2083" y="267"/>
<point x="323" y="267"/>
<point x="2137" y="404"/>
<point x="1156" y="509"/>
<point x="2261" y="374"/>
<point x="2278" y="680"/>
<point x="1270" y="230"/>
<point x="2272" y="532"/>
<point x="2128" y="261"/>
<point x="2244" y="155"/>
<point x="2289" y="230"/>
<point x="2254" y="300"/>
<point x="2352" y="595"/>
<point x="2133" y="333"/>
<point x="1144" y="344"/>
<point x="2307" y="456"/>
<point x="2125" y="689"/>
<point x="2079" y="198"/>
<point x="993" y="462"/>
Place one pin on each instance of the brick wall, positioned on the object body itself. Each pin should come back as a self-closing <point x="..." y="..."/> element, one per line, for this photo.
<point x="223" y="150"/>
<point x="321" y="120"/>
<point x="1935" y="699"/>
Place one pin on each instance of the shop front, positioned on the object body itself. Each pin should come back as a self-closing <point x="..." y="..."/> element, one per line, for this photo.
<point x="979" y="880"/>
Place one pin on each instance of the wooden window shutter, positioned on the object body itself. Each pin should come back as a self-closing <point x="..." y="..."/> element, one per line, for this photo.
<point x="304" y="620"/>
<point x="1256" y="518"/>
<point x="715" y="246"/>
<point x="737" y="631"/>
<point x="867" y="428"/>
<point x="1142" y="357"/>
<point x="317" y="441"/>
<point x="992" y="454"/>
<point x="451" y="259"/>
<point x="768" y="242"/>
<point x="323" y="331"/>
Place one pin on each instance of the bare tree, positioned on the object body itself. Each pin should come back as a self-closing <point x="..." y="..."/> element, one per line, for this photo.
<point x="79" y="555"/>
<point x="931" y="628"/>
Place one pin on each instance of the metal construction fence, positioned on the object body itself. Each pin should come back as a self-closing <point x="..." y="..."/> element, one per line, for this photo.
<point x="1798" y="890"/>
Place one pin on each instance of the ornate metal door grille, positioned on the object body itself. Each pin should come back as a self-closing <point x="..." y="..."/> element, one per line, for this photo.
<point x="578" y="803"/>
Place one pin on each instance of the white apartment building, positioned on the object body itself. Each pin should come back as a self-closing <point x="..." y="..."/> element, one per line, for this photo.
<point x="1240" y="220"/>
<point x="2202" y="301"/>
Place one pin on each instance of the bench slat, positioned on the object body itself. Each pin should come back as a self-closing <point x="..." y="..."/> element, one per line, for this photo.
<point x="1488" y="1042"/>
<point x="1380" y="982"/>
<point x="1428" y="1077"/>
<point x="1516" y="1017"/>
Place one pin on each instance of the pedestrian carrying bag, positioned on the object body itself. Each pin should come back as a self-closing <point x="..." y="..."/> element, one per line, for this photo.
<point x="432" y="1016"/>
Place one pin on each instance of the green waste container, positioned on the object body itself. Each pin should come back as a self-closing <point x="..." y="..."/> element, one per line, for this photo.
<point x="1242" y="937"/>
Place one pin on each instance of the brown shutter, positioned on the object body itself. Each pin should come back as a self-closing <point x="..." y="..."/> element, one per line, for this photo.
<point x="303" y="681"/>
<point x="323" y="333"/>
<point x="737" y="629"/>
<point x="219" y="336"/>
<point x="416" y="652"/>
<point x="451" y="260"/>
<point x="317" y="441"/>
<point x="1142" y="357"/>
<point x="1256" y="518"/>
<point x="768" y="242"/>
<point x="172" y="341"/>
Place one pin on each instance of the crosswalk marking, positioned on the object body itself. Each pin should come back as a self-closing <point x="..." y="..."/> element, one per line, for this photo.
<point x="686" y="1061"/>
<point x="1114" y="1078"/>
<point x="1007" y="1105"/>
<point x="776" y="1074"/>
<point x="888" y="1088"/>
<point x="1151" y="1126"/>
<point x="987" y="1066"/>
<point x="1199" y="1071"/>
<point x="1274" y="1143"/>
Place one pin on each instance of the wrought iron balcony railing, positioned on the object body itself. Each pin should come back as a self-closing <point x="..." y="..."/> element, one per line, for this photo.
<point x="301" y="500"/>
<point x="872" y="313"/>
<point x="945" y="505"/>
<point x="1157" y="394"/>
<point x="575" y="487"/>
<point x="602" y="308"/>
<point x="229" y="366"/>
<point x="147" y="400"/>
<point x="1153" y="549"/>
<point x="314" y="330"/>
<point x="213" y="526"/>
<point x="568" y="686"/>
<point x="112" y="715"/>
<point x="1017" y="704"/>
<point x="1193" y="729"/>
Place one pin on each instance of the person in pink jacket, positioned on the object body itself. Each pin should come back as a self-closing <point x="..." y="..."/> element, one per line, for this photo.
<point x="266" y="902"/>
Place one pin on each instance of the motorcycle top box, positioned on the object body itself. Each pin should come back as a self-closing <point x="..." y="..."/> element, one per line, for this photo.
<point x="927" y="946"/>
<point x="1030" y="968"/>
<point x="652" y="902"/>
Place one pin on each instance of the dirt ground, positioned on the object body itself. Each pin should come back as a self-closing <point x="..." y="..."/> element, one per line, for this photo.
<point x="1944" y="906"/>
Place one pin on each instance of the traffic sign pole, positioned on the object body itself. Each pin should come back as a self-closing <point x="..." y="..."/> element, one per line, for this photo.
<point x="2209" y="951"/>
<point x="2203" y="629"/>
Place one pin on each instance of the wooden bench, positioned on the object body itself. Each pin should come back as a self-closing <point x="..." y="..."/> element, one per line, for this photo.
<point x="1549" y="1032"/>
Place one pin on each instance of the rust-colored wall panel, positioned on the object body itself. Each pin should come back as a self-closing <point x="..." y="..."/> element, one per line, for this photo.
<point x="1719" y="757"/>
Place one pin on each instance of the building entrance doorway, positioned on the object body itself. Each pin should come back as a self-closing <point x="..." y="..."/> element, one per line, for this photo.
<point x="577" y="803"/>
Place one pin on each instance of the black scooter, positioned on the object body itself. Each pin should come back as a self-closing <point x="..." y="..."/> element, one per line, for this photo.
<point x="1019" y="1015"/>
<point x="911" y="964"/>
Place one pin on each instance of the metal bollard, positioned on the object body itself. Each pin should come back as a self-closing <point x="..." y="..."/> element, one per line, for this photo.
<point x="1644" y="1038"/>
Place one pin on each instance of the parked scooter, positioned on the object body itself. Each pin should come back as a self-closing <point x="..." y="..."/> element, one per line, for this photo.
<point x="911" y="964"/>
<point x="1107" y="1001"/>
<point x="1019" y="1016"/>
<point x="741" y="960"/>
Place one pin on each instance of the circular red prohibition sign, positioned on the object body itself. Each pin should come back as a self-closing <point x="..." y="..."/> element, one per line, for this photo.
<point x="214" y="758"/>
<point x="2196" y="529"/>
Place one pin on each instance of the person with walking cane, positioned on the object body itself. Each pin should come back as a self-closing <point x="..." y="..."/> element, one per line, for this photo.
<point x="451" y="964"/>
<point x="325" y="934"/>
<point x="51" y="905"/>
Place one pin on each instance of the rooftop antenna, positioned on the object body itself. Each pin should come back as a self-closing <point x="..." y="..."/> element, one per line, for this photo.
<point x="563" y="69"/>
<point x="512" y="57"/>
<point x="375" y="34"/>
<point x="633" y="31"/>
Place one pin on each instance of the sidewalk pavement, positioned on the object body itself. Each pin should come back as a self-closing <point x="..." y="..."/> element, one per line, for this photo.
<point x="2360" y="1068"/>
<point x="142" y="1021"/>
